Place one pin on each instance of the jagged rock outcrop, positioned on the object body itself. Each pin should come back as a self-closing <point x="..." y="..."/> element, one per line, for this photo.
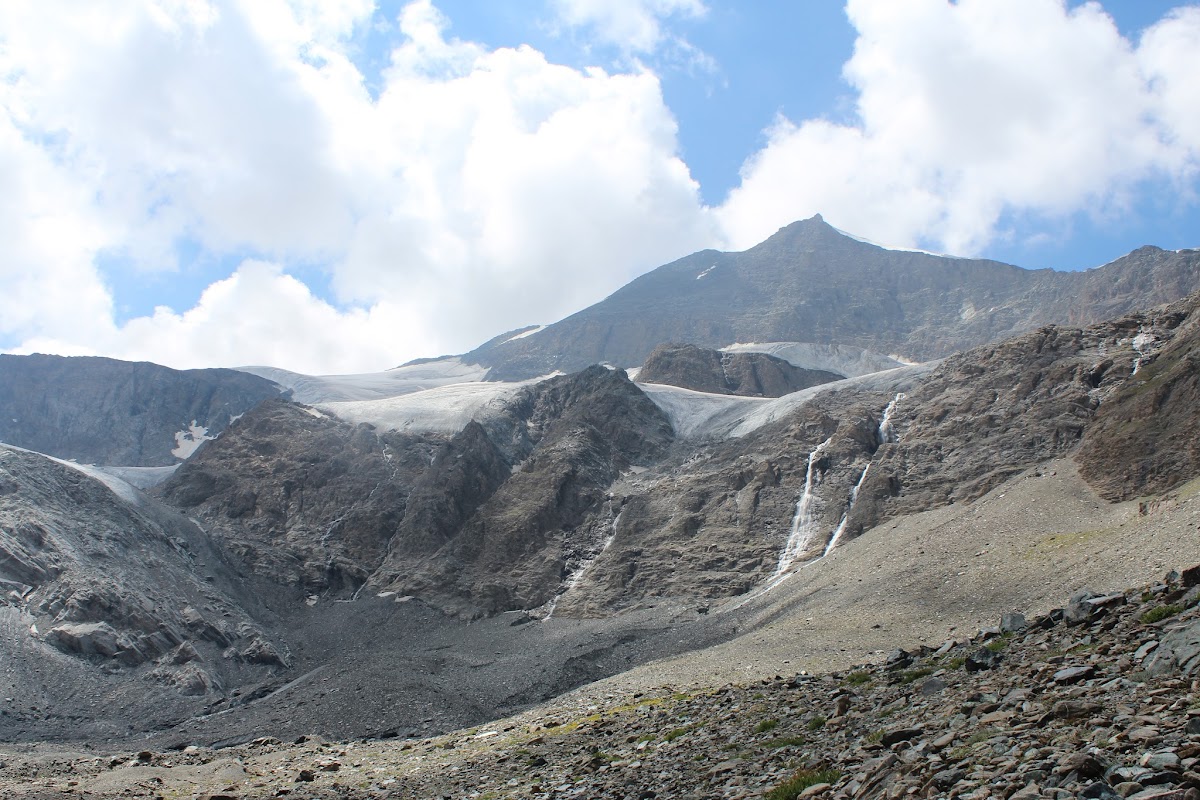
<point x="567" y="440"/>
<point x="305" y="499"/>
<point x="483" y="521"/>
<point x="811" y="283"/>
<point x="747" y="374"/>
<point x="103" y="411"/>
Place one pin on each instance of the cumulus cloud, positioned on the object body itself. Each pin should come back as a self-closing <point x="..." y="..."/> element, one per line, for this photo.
<point x="259" y="315"/>
<point x="969" y="110"/>
<point x="473" y="190"/>
<point x="479" y="190"/>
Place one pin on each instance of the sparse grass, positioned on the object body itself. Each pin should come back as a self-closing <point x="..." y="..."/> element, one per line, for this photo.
<point x="766" y="725"/>
<point x="978" y="737"/>
<point x="1158" y="614"/>
<point x="785" y="741"/>
<point x="801" y="780"/>
<point x="816" y="723"/>
<point x="956" y="662"/>
<point x="910" y="675"/>
<point x="675" y="733"/>
<point x="858" y="678"/>
<point x="999" y="643"/>
<point x="875" y="737"/>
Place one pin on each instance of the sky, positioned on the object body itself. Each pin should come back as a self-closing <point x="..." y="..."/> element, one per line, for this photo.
<point x="335" y="186"/>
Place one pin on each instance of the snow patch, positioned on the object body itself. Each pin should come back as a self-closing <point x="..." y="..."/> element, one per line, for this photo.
<point x="702" y="415"/>
<point x="317" y="389"/>
<point x="702" y="274"/>
<point x="530" y="332"/>
<point x="446" y="409"/>
<point x="190" y="438"/>
<point x="898" y="249"/>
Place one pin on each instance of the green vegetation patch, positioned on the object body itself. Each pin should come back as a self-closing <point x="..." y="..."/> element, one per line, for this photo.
<point x="858" y="678"/>
<point x="766" y="725"/>
<point x="816" y="723"/>
<point x="793" y="786"/>
<point x="1159" y="614"/>
<point x="785" y="741"/>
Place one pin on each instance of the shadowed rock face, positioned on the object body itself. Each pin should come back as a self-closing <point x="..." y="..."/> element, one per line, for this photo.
<point x="811" y="283"/>
<point x="103" y="411"/>
<point x="746" y="374"/>
<point x="306" y="500"/>
<point x="1146" y="436"/>
<point x="479" y="522"/>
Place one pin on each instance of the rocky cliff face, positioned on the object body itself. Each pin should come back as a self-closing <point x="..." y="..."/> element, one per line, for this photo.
<point x="102" y="411"/>
<point x="727" y="518"/>
<point x="811" y="283"/>
<point x="487" y="520"/>
<point x="1146" y="435"/>
<point x="746" y="374"/>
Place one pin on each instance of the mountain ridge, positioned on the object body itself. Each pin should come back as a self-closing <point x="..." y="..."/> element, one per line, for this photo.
<point x="810" y="282"/>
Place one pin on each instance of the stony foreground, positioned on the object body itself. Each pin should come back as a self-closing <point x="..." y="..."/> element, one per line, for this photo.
<point x="1096" y="700"/>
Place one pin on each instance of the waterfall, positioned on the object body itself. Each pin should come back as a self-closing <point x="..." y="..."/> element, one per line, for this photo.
<point x="837" y="534"/>
<point x="1139" y="346"/>
<point x="577" y="574"/>
<point x="802" y="522"/>
<point x="886" y="432"/>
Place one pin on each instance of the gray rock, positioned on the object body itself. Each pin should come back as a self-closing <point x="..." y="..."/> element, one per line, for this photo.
<point x="1073" y="674"/>
<point x="1013" y="621"/>
<point x="983" y="659"/>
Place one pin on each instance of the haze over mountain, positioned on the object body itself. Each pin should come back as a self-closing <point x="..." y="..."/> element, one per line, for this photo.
<point x="466" y="549"/>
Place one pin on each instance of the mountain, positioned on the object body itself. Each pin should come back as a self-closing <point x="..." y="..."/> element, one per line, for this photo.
<point x="104" y="411"/>
<point x="405" y="554"/>
<point x="812" y="283"/>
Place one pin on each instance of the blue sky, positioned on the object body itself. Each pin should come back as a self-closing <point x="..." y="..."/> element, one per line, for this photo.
<point x="341" y="185"/>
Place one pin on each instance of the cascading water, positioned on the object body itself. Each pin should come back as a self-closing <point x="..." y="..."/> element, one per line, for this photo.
<point x="803" y="524"/>
<point x="574" y="578"/>
<point x="837" y="534"/>
<point x="1139" y="346"/>
<point x="886" y="433"/>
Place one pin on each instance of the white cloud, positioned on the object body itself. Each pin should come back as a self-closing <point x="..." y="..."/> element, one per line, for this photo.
<point x="258" y="316"/>
<point x="968" y="110"/>
<point x="631" y="25"/>
<point x="481" y="190"/>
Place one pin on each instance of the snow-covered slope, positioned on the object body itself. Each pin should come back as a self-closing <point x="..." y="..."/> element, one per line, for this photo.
<point x="700" y="415"/>
<point x="316" y="389"/>
<point x="446" y="409"/>
<point x="848" y="361"/>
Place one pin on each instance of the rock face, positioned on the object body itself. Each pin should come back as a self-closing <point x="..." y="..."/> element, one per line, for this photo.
<point x="1146" y="436"/>
<point x="490" y="519"/>
<point x="747" y="374"/>
<point x="102" y="411"/>
<point x="304" y="499"/>
<point x="812" y="283"/>
<point x="114" y="581"/>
